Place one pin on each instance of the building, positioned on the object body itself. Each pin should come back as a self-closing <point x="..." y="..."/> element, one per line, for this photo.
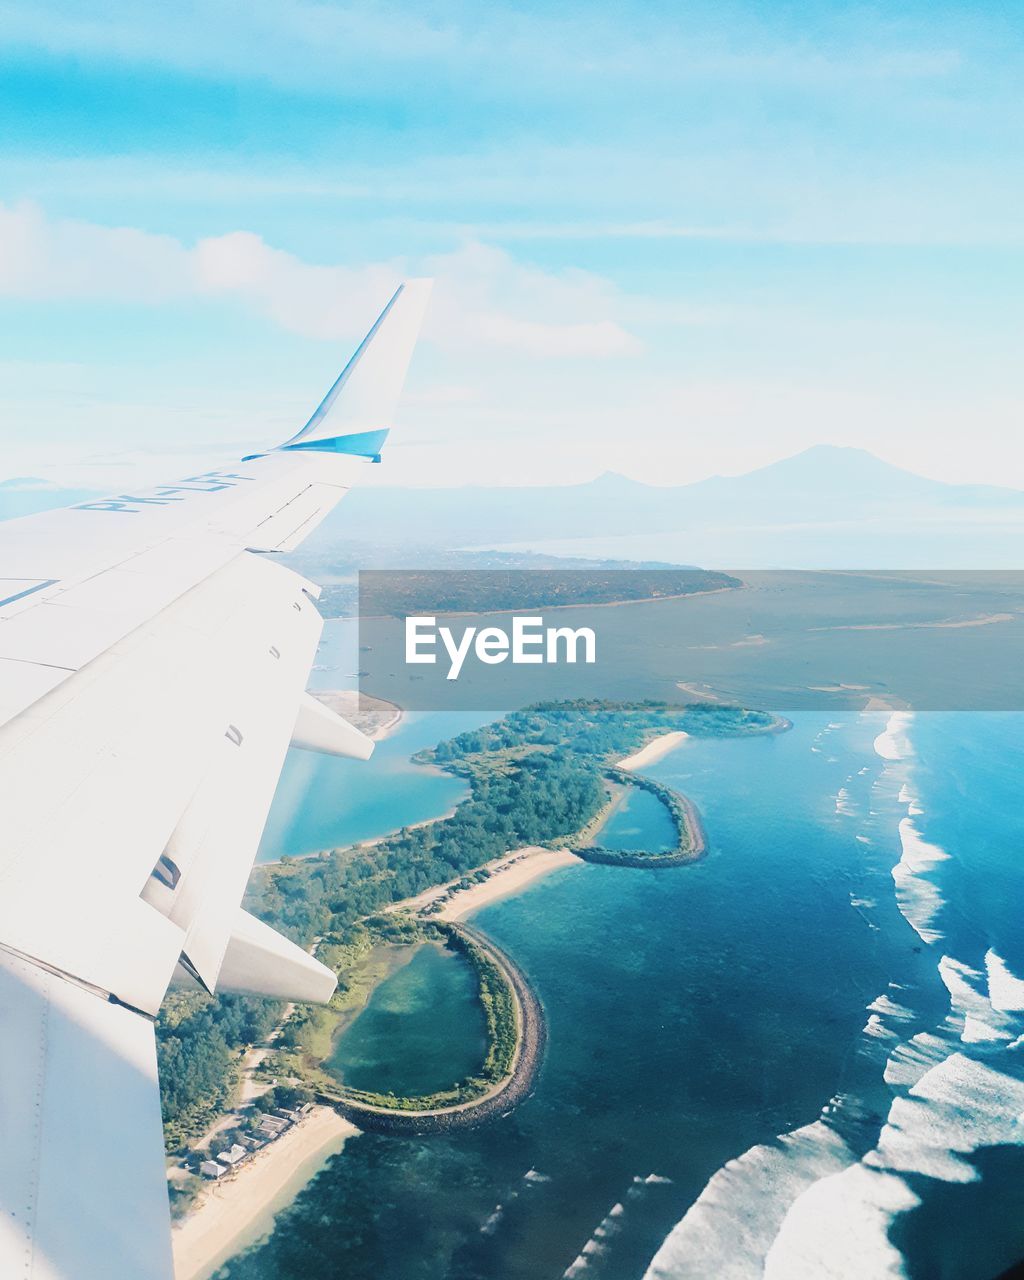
<point x="211" y="1169"/>
<point x="232" y="1157"/>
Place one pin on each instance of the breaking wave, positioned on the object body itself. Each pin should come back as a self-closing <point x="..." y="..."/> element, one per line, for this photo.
<point x="820" y="1202"/>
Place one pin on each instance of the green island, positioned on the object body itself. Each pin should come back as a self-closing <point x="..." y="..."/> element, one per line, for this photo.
<point x="543" y="775"/>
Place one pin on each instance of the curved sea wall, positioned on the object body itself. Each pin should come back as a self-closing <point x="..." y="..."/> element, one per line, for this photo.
<point x="691" y="838"/>
<point x="532" y="1037"/>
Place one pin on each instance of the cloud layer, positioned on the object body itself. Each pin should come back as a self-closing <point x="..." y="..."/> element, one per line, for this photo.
<point x="485" y="299"/>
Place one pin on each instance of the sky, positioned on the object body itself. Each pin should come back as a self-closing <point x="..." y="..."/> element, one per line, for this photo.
<point x="669" y="239"/>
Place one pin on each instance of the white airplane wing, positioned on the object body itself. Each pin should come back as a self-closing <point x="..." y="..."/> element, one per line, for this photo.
<point x="153" y="662"/>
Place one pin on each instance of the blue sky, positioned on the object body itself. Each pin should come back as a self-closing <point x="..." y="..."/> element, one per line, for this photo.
<point x="669" y="239"/>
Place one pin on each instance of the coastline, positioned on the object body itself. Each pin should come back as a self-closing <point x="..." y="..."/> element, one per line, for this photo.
<point x="507" y="875"/>
<point x="234" y="1214"/>
<point x="240" y="1208"/>
<point x="508" y="878"/>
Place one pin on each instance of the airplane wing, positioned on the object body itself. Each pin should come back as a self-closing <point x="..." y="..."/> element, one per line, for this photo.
<point x="153" y="663"/>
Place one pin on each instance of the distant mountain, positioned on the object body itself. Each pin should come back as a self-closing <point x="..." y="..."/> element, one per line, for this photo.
<point x="825" y="507"/>
<point x="824" y="484"/>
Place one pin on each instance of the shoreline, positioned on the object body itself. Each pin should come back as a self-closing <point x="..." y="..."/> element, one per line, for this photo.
<point x="238" y="1209"/>
<point x="655" y="750"/>
<point x="529" y="864"/>
<point x="582" y="604"/>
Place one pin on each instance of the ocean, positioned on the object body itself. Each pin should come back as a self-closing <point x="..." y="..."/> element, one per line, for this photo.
<point x="800" y="1056"/>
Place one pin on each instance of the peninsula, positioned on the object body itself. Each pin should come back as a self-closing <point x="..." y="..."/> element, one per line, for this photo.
<point x="542" y="780"/>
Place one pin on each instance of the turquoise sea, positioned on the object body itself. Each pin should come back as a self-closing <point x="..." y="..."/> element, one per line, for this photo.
<point x="800" y="1056"/>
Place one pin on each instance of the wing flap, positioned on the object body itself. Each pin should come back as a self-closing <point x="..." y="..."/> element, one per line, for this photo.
<point x="82" y="1181"/>
<point x="97" y="775"/>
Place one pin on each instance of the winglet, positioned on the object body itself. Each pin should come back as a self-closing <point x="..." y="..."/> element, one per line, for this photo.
<point x="355" y="415"/>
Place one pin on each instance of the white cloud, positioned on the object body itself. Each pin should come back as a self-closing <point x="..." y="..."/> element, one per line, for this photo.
<point x="484" y="297"/>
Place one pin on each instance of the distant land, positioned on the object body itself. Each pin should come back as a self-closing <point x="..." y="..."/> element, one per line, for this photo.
<point x="827" y="507"/>
<point x="822" y="485"/>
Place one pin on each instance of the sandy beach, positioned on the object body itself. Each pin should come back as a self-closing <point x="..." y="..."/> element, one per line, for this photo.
<point x="508" y="877"/>
<point x="239" y="1209"/>
<point x="655" y="750"/>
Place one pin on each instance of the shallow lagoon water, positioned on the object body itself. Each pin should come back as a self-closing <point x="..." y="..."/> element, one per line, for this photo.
<point x="641" y="823"/>
<point x="323" y="802"/>
<point x="421" y="1031"/>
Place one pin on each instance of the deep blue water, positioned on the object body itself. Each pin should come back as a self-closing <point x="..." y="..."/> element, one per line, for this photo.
<point x="775" y="993"/>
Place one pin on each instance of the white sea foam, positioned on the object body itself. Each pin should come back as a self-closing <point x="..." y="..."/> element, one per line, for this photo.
<point x="805" y="1207"/>
<point x="844" y="801"/>
<point x="1005" y="989"/>
<point x="875" y="1027"/>
<point x="609" y="1226"/>
<point x="886" y="1005"/>
<point x="493" y="1221"/>
<point x="981" y="1022"/>
<point x="955" y="1108"/>
<point x="729" y="1229"/>
<point x="919" y="855"/>
<point x="917" y="896"/>
<point x="893" y="743"/>
<point x="910" y="1060"/>
<point x="839" y="1228"/>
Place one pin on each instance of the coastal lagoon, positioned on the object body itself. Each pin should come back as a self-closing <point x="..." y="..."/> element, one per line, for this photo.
<point x="787" y="1004"/>
<point x="323" y="802"/>
<point x="422" y="1030"/>
<point x="640" y="823"/>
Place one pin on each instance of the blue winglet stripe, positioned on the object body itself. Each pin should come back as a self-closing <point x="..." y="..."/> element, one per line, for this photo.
<point x="361" y="444"/>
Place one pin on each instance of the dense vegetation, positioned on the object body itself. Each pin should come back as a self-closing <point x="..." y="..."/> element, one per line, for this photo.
<point x="592" y="728"/>
<point x="198" y="1039"/>
<point x="535" y="777"/>
<point x="400" y="594"/>
<point x="537" y="797"/>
